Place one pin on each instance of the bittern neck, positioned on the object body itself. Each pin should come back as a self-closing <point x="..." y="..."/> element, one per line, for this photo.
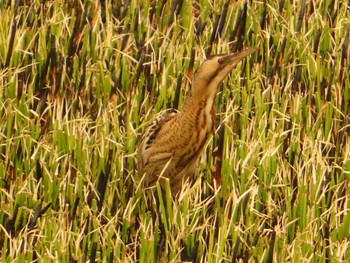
<point x="203" y="103"/>
<point x="202" y="97"/>
<point x="203" y="89"/>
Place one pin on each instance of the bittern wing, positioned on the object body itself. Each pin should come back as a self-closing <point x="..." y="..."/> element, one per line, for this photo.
<point x="152" y="151"/>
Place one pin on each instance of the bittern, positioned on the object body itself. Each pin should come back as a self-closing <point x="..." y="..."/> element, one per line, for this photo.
<point x="170" y="148"/>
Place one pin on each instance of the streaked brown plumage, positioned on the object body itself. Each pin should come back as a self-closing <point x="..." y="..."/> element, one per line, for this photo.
<point x="171" y="146"/>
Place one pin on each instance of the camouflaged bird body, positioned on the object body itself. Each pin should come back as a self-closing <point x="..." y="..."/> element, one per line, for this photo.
<point x="173" y="145"/>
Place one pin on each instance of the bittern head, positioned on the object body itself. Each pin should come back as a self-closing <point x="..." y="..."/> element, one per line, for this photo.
<point x="213" y="71"/>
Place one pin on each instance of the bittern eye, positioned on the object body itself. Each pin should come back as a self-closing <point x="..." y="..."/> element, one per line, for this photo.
<point x="220" y="60"/>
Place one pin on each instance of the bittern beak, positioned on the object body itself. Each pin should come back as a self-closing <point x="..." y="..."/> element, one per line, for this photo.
<point x="236" y="57"/>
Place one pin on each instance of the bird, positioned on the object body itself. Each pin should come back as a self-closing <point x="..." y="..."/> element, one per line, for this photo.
<point x="171" y="146"/>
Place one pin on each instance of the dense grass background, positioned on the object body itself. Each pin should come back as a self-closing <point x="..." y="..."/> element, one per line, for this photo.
<point x="79" y="81"/>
